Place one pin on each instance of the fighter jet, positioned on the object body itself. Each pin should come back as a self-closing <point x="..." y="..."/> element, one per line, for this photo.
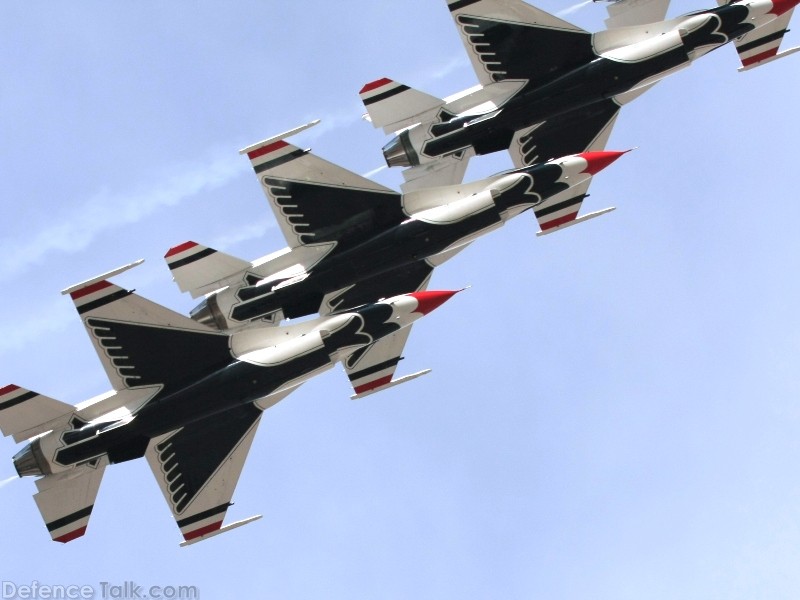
<point x="549" y="88"/>
<point x="353" y="241"/>
<point x="187" y="398"/>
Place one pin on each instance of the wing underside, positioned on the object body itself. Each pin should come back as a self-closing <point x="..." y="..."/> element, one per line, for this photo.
<point x="761" y="45"/>
<point x="510" y="39"/>
<point x="315" y="201"/>
<point x="584" y="130"/>
<point x="372" y="368"/>
<point x="198" y="466"/>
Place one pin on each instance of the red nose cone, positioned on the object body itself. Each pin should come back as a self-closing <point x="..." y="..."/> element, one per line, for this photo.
<point x="781" y="6"/>
<point x="597" y="161"/>
<point x="429" y="301"/>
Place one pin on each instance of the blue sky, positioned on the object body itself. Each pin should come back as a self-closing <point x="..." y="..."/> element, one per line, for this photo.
<point x="613" y="409"/>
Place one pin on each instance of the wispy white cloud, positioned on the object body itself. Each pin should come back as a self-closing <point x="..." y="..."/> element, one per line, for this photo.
<point x="243" y="234"/>
<point x="52" y="318"/>
<point x="109" y="210"/>
<point x="332" y="121"/>
<point x="444" y="69"/>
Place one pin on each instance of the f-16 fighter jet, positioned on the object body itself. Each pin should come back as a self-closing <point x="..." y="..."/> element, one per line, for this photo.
<point x="353" y="241"/>
<point x="186" y="397"/>
<point x="548" y="88"/>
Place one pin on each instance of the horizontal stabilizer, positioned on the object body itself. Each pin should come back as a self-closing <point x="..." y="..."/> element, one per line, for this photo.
<point x="392" y="105"/>
<point x="392" y="383"/>
<point x="198" y="269"/>
<point x="24" y="413"/>
<point x="66" y="500"/>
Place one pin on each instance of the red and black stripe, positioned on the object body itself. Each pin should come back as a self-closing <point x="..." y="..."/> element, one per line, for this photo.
<point x="14" y="401"/>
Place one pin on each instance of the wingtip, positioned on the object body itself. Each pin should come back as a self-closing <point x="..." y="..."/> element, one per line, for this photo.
<point x="100" y="278"/>
<point x="277" y="138"/>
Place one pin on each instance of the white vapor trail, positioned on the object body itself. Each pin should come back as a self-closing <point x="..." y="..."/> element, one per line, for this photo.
<point x="107" y="211"/>
<point x="374" y="172"/>
<point x="574" y="9"/>
<point x="243" y="234"/>
<point x="8" y="480"/>
<point x="46" y="320"/>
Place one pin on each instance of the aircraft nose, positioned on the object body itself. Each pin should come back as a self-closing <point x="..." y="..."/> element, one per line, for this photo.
<point x="597" y="161"/>
<point x="782" y="6"/>
<point x="431" y="300"/>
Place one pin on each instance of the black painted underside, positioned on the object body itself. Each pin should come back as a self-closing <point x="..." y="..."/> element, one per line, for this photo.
<point x="324" y="213"/>
<point x="193" y="454"/>
<point x="520" y="51"/>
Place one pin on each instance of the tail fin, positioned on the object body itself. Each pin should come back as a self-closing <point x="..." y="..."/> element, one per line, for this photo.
<point x="66" y="500"/>
<point x="24" y="413"/>
<point x="393" y="105"/>
<point x="199" y="269"/>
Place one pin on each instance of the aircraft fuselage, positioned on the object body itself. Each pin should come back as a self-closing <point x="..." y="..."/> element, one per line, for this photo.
<point x="424" y="235"/>
<point x="241" y="375"/>
<point x="610" y="74"/>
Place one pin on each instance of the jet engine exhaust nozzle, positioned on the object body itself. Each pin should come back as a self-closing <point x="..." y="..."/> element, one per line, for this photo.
<point x="27" y="462"/>
<point x="399" y="152"/>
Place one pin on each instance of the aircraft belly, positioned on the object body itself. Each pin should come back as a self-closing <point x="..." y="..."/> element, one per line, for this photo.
<point x="238" y="384"/>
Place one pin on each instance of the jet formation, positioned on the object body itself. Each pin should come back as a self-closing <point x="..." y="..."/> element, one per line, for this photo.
<point x="549" y="88"/>
<point x="188" y="392"/>
<point x="186" y="398"/>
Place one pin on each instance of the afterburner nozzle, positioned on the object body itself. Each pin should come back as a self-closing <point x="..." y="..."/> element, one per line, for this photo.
<point x="28" y="462"/>
<point x="399" y="152"/>
<point x="597" y="161"/>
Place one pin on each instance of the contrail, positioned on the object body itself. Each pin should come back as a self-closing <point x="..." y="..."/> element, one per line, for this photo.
<point x="5" y="482"/>
<point x="369" y="174"/>
<point x="573" y="9"/>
